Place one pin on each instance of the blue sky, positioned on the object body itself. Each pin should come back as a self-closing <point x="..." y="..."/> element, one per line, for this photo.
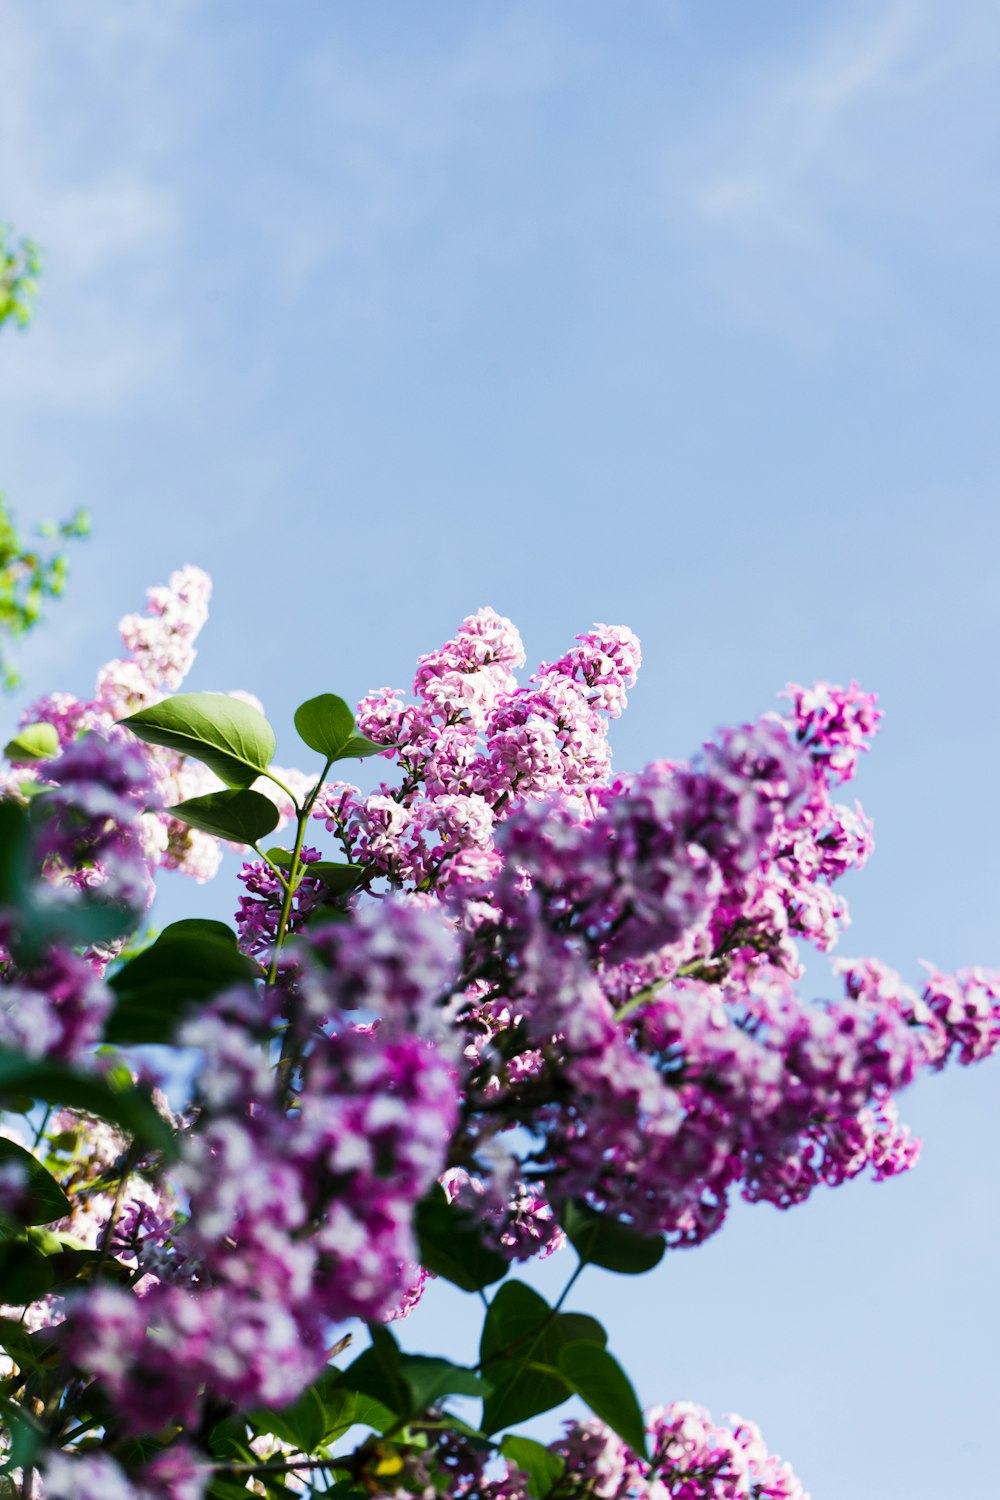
<point x="673" y="314"/>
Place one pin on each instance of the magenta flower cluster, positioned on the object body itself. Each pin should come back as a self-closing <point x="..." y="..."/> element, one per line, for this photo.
<point x="540" y="985"/>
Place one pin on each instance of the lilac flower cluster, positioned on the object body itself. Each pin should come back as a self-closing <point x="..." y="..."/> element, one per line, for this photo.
<point x="553" y="985"/>
<point x="296" y="1219"/>
<point x="474" y="743"/>
<point x="692" y="1458"/>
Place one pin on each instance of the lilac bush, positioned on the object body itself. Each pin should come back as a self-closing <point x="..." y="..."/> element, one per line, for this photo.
<point x="505" y="1004"/>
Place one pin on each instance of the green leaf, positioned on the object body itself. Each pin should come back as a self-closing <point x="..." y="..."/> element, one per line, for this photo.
<point x="518" y="1359"/>
<point x="33" y="742"/>
<point x="599" y="1379"/>
<point x="15" y="860"/>
<point x="601" y="1240"/>
<point x="451" y="1244"/>
<point x="338" y="879"/>
<point x="244" y="817"/>
<point x="579" y="1328"/>
<point x="542" y="1467"/>
<point x="325" y="724"/>
<point x="24" y="1348"/>
<point x="303" y="1424"/>
<point x="44" y="1200"/>
<point x="26" y="1435"/>
<point x="230" y="737"/>
<point x="515" y="1313"/>
<point x="520" y="1354"/>
<point x="190" y="962"/>
<point x="378" y="1373"/>
<point x="25" y="1274"/>
<point x="360" y="747"/>
<point x="370" y="1412"/>
<point x="429" y="1379"/>
<point x="129" y="1107"/>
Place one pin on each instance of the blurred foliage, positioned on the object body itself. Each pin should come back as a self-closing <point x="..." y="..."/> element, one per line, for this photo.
<point x="29" y="573"/>
<point x="20" y="268"/>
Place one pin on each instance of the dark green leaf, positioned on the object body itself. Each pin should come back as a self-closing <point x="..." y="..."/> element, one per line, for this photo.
<point x="520" y="1354"/>
<point x="451" y="1245"/>
<point x="44" y="1199"/>
<point x="26" y="1435"/>
<point x="599" y="1379"/>
<point x="130" y="1108"/>
<point x="516" y="1313"/>
<point x="302" y="1424"/>
<point x="76" y="921"/>
<point x="230" y="737"/>
<point x="33" y="742"/>
<point x="15" y="855"/>
<point x="370" y="1412"/>
<point x="25" y="1275"/>
<point x="378" y="1373"/>
<point x="429" y="1379"/>
<point x="518" y="1359"/>
<point x="338" y="879"/>
<point x="543" y="1467"/>
<point x="244" y="817"/>
<point x="24" y="1348"/>
<point x="522" y="1390"/>
<point x="601" y="1240"/>
<point x="579" y="1328"/>
<point x="190" y="962"/>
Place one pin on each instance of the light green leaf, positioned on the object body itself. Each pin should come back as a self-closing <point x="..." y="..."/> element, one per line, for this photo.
<point x="230" y="737"/>
<point x="33" y="742"/>
<point x="543" y="1467"/>
<point x="326" y="725"/>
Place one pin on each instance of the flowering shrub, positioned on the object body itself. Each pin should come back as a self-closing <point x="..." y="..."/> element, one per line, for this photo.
<point x="506" y="1004"/>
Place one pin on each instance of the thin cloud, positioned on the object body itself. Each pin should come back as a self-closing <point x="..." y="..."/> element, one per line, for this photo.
<point x="883" y="126"/>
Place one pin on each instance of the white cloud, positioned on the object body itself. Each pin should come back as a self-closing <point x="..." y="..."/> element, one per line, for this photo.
<point x="85" y="117"/>
<point x="882" y="130"/>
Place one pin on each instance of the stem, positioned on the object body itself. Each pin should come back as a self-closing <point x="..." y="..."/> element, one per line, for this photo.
<point x="46" y="1117"/>
<point x="287" y="790"/>
<point x="581" y="1266"/>
<point x="271" y="864"/>
<point x="286" y="905"/>
<point x="109" y="1229"/>
<point x="302" y="818"/>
